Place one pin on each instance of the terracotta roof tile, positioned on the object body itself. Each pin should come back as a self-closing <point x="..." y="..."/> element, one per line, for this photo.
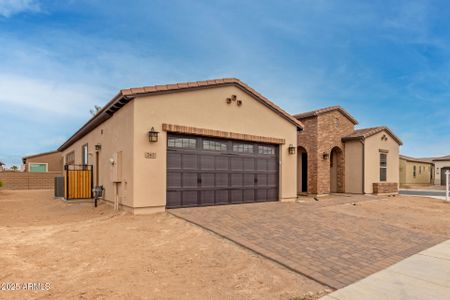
<point x="364" y="133"/>
<point x="442" y="158"/>
<point x="412" y="159"/>
<point x="320" y="111"/>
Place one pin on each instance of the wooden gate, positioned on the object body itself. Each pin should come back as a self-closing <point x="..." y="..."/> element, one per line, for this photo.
<point x="78" y="181"/>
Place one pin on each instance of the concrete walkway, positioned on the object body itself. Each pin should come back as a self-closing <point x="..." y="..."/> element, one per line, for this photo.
<point x="418" y="192"/>
<point x="425" y="275"/>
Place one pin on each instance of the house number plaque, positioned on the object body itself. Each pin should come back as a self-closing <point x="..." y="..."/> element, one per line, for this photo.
<point x="150" y="155"/>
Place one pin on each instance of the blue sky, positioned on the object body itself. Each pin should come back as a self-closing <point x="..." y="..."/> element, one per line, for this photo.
<point x="387" y="63"/>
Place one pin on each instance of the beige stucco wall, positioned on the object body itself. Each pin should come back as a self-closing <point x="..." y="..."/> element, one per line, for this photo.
<point x="207" y="109"/>
<point x="423" y="172"/>
<point x="354" y="167"/>
<point x="372" y="148"/>
<point x="438" y="165"/>
<point x="117" y="136"/>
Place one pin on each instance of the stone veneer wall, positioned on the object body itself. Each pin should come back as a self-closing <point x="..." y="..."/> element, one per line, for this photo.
<point x="385" y="188"/>
<point x="322" y="133"/>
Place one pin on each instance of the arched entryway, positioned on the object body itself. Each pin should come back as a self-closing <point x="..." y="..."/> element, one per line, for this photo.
<point x="302" y="170"/>
<point x="336" y="170"/>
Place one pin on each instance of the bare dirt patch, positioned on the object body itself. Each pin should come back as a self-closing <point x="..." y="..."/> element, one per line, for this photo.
<point x="88" y="253"/>
<point x="415" y="213"/>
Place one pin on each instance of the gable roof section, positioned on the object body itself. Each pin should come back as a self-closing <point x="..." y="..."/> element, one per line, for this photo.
<point x="126" y="95"/>
<point x="364" y="133"/>
<point x="39" y="154"/>
<point x="317" y="112"/>
<point x="418" y="160"/>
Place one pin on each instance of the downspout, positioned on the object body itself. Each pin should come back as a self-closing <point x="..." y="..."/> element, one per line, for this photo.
<point x="363" y="165"/>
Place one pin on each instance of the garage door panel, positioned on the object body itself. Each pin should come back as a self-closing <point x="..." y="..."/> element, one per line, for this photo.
<point x="207" y="162"/>
<point x="261" y="195"/>
<point x="249" y="164"/>
<point x="249" y="180"/>
<point x="207" y="197"/>
<point x="236" y="180"/>
<point x="222" y="196"/>
<point x="189" y="198"/>
<point x="249" y="195"/>
<point x="261" y="164"/>
<point x="204" y="171"/>
<point x="189" y="162"/>
<point x="173" y="199"/>
<point x="222" y="180"/>
<point x="237" y="164"/>
<point x="190" y="180"/>
<point x="236" y="196"/>
<point x="207" y="180"/>
<point x="173" y="180"/>
<point x="173" y="160"/>
<point x="222" y="163"/>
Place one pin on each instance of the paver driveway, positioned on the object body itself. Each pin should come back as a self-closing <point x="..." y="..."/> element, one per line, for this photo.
<point x="317" y="239"/>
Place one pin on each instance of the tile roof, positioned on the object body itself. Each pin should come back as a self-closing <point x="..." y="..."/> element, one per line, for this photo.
<point x="320" y="111"/>
<point x="364" y="133"/>
<point x="126" y="95"/>
<point x="442" y="158"/>
<point x="412" y="159"/>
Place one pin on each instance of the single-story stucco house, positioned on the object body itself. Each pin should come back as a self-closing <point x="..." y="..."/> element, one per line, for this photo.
<point x="336" y="157"/>
<point x="214" y="142"/>
<point x="441" y="165"/>
<point x="43" y="162"/>
<point x="416" y="171"/>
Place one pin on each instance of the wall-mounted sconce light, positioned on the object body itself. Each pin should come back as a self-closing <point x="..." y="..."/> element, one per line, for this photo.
<point x="325" y="155"/>
<point x="153" y="135"/>
<point x="98" y="147"/>
<point x="291" y="149"/>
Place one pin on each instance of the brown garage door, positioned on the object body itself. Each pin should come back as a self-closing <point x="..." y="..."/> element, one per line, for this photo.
<point x="204" y="171"/>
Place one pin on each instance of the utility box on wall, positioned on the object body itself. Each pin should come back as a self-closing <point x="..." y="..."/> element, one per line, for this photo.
<point x="116" y="167"/>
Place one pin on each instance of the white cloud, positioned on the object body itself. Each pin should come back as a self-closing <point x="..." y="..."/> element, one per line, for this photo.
<point x="9" y="8"/>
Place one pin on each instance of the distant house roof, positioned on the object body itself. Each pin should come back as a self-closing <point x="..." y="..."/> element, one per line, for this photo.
<point x="37" y="155"/>
<point x="364" y="133"/>
<point x="2" y="164"/>
<point x="412" y="159"/>
<point x="442" y="158"/>
<point x="320" y="111"/>
<point x="126" y="95"/>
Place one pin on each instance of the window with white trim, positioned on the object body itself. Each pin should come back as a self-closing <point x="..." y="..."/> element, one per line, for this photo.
<point x="383" y="166"/>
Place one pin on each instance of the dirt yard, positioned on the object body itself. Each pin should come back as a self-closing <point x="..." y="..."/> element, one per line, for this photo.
<point x="87" y="253"/>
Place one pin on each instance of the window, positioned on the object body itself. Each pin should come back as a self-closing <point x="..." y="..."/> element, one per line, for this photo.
<point x="420" y="169"/>
<point x="84" y="154"/>
<point x="177" y="142"/>
<point x="70" y="158"/>
<point x="214" y="145"/>
<point x="266" y="150"/>
<point x="38" y="167"/>
<point x="414" y="171"/>
<point x="383" y="166"/>
<point x="243" y="148"/>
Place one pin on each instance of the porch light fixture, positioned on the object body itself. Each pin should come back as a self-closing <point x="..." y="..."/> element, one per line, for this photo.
<point x="325" y="155"/>
<point x="291" y="149"/>
<point x="98" y="147"/>
<point x="153" y="135"/>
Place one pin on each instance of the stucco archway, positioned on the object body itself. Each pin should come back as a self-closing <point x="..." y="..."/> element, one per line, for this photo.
<point x="336" y="170"/>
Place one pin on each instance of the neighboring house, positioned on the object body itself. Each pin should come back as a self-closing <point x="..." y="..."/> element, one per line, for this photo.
<point x="1" y="166"/>
<point x="441" y="165"/>
<point x="416" y="171"/>
<point x="219" y="142"/>
<point x="334" y="157"/>
<point x="43" y="162"/>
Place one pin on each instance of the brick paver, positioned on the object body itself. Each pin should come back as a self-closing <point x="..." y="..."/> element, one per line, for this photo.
<point x="332" y="248"/>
